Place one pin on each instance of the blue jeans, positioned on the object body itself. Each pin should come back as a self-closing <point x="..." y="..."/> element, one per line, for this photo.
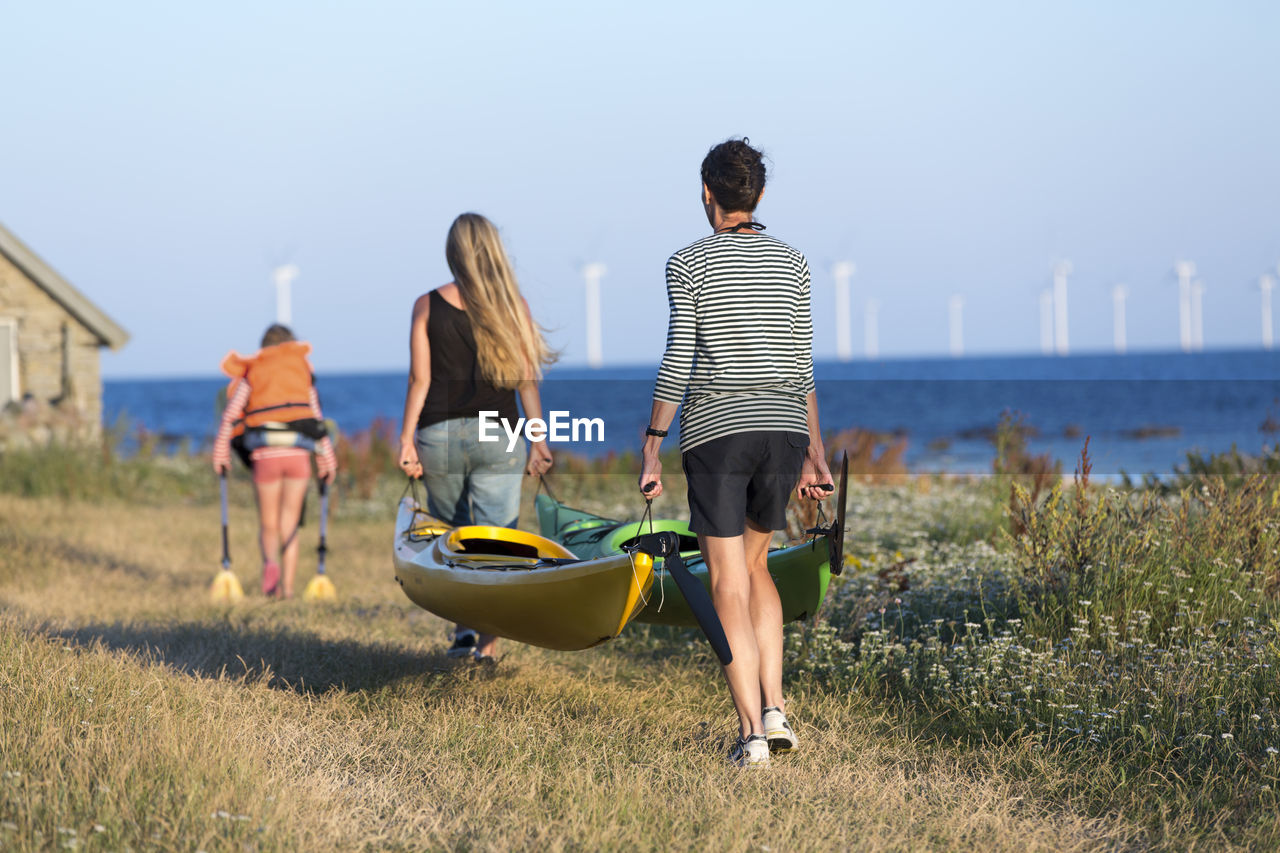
<point x="470" y="481"/>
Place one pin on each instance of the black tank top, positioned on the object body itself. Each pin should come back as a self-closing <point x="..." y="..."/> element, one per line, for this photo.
<point x="458" y="388"/>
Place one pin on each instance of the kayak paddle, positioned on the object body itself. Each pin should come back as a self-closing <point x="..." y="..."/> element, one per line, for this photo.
<point x="320" y="588"/>
<point x="226" y="587"/>
<point x="667" y="546"/>
<point x="835" y="539"/>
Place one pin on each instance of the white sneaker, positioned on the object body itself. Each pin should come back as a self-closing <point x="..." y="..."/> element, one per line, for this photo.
<point x="752" y="751"/>
<point x="778" y="731"/>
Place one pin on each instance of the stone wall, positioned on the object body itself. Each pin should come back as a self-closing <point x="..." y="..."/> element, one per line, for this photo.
<point x="57" y="355"/>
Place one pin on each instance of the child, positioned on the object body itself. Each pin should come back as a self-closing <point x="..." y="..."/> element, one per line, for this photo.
<point x="273" y="414"/>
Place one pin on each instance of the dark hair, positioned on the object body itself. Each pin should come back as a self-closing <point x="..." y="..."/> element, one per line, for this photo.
<point x="276" y="334"/>
<point x="734" y="172"/>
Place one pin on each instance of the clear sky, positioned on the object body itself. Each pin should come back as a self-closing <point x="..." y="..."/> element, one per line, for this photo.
<point x="165" y="156"/>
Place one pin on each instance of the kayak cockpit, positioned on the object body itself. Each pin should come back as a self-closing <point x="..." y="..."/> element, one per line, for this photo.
<point x="475" y="540"/>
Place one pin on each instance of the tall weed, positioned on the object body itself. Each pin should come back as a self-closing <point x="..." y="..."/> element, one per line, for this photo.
<point x="1134" y="635"/>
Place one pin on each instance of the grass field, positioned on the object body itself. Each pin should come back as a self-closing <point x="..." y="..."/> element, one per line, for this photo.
<point x="135" y="715"/>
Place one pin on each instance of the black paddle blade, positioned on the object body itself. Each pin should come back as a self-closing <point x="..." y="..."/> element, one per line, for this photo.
<point x="699" y="601"/>
<point x="667" y="546"/>
<point x="835" y="535"/>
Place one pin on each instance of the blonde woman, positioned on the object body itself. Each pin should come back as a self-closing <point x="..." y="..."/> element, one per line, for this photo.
<point x="473" y="347"/>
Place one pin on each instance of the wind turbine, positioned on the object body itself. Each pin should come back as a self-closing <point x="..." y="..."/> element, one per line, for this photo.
<point x="284" y="276"/>
<point x="1197" y="315"/>
<point x="1184" y="270"/>
<point x="1046" y="321"/>
<point x="843" y="272"/>
<point x="1118" y="295"/>
<point x="595" y="346"/>
<point x="871" y="329"/>
<point x="1266" y="284"/>
<point x="956" y="311"/>
<point x="1061" y="269"/>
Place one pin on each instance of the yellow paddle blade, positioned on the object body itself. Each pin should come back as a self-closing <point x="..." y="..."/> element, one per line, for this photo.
<point x="320" y="588"/>
<point x="225" y="587"/>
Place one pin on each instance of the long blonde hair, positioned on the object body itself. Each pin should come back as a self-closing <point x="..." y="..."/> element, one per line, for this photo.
<point x="509" y="345"/>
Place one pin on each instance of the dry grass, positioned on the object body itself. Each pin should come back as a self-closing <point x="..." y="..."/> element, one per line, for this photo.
<point x="134" y="715"/>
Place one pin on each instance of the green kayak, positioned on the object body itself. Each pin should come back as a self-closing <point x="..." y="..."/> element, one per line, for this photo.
<point x="801" y="572"/>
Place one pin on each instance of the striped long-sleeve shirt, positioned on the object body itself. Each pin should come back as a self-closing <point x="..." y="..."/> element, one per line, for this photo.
<point x="740" y="339"/>
<point x="236" y="402"/>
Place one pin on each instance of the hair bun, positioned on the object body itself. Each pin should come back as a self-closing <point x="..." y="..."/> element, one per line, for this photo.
<point x="734" y="172"/>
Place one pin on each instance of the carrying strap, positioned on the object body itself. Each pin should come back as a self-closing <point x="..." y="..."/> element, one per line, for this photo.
<point x="410" y="486"/>
<point x="820" y="526"/>
<point x="662" y="589"/>
<point x="555" y="513"/>
<point x="543" y="485"/>
<point x="419" y="506"/>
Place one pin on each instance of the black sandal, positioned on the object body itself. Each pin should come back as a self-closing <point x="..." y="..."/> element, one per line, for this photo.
<point x="464" y="643"/>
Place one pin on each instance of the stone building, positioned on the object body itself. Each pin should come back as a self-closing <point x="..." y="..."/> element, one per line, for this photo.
<point x="50" y="335"/>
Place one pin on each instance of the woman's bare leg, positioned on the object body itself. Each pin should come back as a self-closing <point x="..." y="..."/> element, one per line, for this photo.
<point x="766" y="614"/>
<point x="731" y="593"/>
<point x="290" y="513"/>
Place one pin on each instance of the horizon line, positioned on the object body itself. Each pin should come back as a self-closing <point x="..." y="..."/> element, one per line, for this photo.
<point x="938" y="357"/>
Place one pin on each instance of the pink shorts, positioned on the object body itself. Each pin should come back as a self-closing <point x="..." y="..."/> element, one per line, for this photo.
<point x="279" y="464"/>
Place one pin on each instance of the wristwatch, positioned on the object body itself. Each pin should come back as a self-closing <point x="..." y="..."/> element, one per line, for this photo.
<point x="660" y="433"/>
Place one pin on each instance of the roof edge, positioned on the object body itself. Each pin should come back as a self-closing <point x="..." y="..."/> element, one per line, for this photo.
<point x="93" y="318"/>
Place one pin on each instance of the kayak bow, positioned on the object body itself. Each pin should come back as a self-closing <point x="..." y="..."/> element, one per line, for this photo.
<point x="515" y="584"/>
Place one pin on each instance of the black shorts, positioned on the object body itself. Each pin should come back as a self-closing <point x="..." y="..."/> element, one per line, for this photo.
<point x="746" y="475"/>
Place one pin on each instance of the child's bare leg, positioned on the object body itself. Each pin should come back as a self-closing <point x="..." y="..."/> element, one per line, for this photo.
<point x="268" y="495"/>
<point x="292" y="495"/>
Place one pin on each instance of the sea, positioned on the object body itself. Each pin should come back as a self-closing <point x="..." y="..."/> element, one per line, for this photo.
<point x="1142" y="413"/>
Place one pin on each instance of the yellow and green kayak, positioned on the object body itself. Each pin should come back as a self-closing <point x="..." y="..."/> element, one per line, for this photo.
<point x="801" y="572"/>
<point x="515" y="584"/>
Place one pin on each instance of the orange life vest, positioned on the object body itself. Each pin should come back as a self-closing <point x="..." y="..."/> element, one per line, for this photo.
<point x="280" y="381"/>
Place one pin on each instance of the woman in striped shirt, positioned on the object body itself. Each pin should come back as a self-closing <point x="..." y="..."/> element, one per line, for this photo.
<point x="739" y="358"/>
